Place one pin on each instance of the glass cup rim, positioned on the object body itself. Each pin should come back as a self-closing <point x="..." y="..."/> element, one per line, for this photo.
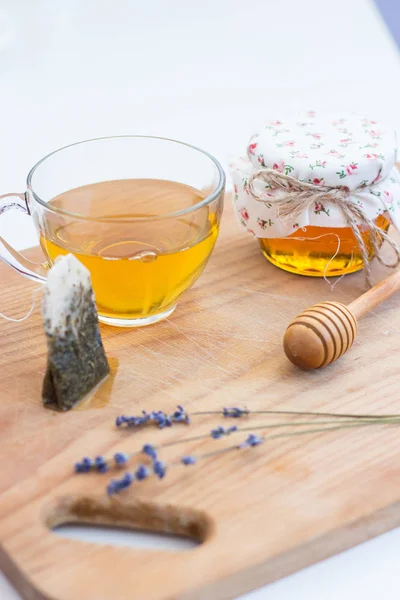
<point x="207" y="200"/>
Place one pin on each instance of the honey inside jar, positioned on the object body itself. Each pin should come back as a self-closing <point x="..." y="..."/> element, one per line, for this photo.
<point x="319" y="251"/>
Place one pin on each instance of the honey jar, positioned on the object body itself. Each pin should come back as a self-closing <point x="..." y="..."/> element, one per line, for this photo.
<point x="319" y="192"/>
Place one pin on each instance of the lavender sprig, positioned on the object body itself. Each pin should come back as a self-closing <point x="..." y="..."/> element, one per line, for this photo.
<point x="268" y="437"/>
<point x="102" y="464"/>
<point x="163" y="419"/>
<point x="237" y="412"/>
<point x="159" y="468"/>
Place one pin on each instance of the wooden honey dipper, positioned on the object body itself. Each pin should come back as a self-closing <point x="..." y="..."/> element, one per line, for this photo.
<point x="321" y="334"/>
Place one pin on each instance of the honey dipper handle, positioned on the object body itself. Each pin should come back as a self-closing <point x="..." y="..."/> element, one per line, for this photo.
<point x="380" y="292"/>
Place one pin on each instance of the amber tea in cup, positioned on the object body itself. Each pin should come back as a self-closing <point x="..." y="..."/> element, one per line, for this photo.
<point x="141" y="213"/>
<point x="138" y="269"/>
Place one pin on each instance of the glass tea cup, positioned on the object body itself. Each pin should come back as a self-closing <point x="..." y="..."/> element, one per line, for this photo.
<point x="141" y="213"/>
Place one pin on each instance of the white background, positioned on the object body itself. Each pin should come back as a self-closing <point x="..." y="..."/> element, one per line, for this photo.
<point x="205" y="72"/>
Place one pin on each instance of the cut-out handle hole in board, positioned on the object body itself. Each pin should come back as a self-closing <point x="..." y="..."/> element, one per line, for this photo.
<point x="127" y="522"/>
<point x="121" y="536"/>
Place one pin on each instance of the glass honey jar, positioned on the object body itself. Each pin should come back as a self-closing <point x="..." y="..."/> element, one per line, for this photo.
<point x="338" y="174"/>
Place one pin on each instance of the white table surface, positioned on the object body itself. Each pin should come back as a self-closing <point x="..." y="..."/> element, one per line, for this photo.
<point x="204" y="72"/>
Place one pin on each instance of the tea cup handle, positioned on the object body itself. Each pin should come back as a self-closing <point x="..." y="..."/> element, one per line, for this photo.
<point x="8" y="254"/>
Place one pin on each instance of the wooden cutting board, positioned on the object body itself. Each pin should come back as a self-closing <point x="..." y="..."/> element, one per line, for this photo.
<point x="261" y="513"/>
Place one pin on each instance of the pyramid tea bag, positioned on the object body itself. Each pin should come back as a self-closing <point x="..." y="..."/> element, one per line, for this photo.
<point x="76" y="359"/>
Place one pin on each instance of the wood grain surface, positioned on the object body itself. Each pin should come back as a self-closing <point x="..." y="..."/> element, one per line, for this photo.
<point x="260" y="514"/>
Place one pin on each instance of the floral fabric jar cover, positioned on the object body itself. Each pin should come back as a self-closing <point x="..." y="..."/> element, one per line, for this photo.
<point x="350" y="151"/>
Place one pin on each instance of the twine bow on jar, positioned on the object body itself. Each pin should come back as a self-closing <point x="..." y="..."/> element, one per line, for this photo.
<point x="300" y="196"/>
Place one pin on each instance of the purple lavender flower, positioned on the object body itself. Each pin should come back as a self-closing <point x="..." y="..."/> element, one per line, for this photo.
<point x="84" y="466"/>
<point x="101" y="464"/>
<point x="112" y="487"/>
<point x="252" y="440"/>
<point x="150" y="451"/>
<point x="234" y="412"/>
<point x="117" y="485"/>
<point x="120" y="458"/>
<point x="79" y="468"/>
<point x="142" y="472"/>
<point x="217" y="433"/>
<point x="159" y="468"/>
<point x="132" y="421"/>
<point x="158" y="417"/>
<point x="220" y="431"/>
<point x="188" y="460"/>
<point x="180" y="416"/>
